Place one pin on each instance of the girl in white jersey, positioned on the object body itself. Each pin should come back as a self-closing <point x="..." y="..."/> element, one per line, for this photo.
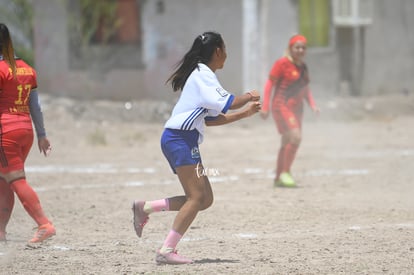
<point x="203" y="101"/>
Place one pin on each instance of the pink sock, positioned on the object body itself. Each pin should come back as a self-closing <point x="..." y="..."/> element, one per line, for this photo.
<point x="171" y="241"/>
<point x="157" y="206"/>
<point x="290" y="153"/>
<point x="279" y="165"/>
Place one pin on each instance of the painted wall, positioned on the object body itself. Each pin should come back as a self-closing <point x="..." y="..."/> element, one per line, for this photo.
<point x="322" y="62"/>
<point x="169" y="32"/>
<point x="167" y="35"/>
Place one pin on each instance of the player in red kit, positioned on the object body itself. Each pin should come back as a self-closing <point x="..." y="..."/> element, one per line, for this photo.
<point x="288" y="82"/>
<point x="19" y="104"/>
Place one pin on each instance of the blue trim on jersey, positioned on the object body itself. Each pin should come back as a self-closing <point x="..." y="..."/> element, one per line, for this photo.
<point x="210" y="118"/>
<point x="228" y="104"/>
<point x="190" y="120"/>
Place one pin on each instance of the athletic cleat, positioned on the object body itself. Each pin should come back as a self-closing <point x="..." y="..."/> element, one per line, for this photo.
<point x="277" y="183"/>
<point x="171" y="258"/>
<point x="286" y="180"/>
<point x="45" y="231"/>
<point x="140" y="217"/>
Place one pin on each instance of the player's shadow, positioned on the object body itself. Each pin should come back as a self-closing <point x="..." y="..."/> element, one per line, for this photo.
<point x="208" y="261"/>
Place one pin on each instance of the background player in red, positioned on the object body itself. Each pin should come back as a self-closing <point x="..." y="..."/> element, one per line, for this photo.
<point x="288" y="80"/>
<point x="19" y="104"/>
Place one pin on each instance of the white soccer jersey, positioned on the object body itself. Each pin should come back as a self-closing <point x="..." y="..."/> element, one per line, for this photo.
<point x="201" y="97"/>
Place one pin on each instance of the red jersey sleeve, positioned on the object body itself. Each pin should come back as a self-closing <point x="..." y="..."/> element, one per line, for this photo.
<point x="2" y="74"/>
<point x="275" y="74"/>
<point x="266" y="95"/>
<point x="277" y="70"/>
<point x="34" y="79"/>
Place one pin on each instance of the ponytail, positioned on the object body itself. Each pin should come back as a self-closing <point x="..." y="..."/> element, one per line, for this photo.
<point x="6" y="47"/>
<point x="201" y="52"/>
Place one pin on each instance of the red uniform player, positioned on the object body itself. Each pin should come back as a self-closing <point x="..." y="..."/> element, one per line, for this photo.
<point x="19" y="104"/>
<point x="288" y="79"/>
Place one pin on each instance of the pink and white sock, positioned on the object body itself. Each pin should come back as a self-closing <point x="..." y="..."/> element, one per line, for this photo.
<point x="171" y="242"/>
<point x="156" y="206"/>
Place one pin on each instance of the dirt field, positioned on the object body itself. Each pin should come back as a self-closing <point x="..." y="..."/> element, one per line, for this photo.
<point x="353" y="212"/>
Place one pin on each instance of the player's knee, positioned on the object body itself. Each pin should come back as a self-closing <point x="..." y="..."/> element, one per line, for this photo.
<point x="196" y="201"/>
<point x="13" y="176"/>
<point x="202" y="201"/>
<point x="207" y="202"/>
<point x="295" y="137"/>
<point x="296" y="140"/>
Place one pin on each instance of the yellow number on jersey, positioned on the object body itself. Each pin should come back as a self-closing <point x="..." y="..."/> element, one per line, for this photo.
<point x="27" y="88"/>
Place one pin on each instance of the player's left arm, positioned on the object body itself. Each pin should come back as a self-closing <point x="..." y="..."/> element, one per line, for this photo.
<point x="222" y="119"/>
<point x="311" y="101"/>
<point x="37" y="118"/>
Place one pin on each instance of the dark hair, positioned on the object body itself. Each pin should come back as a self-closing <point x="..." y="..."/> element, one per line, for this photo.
<point x="201" y="52"/>
<point x="6" y="47"/>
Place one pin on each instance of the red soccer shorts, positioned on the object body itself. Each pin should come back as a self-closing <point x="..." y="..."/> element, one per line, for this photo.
<point x="287" y="118"/>
<point x="15" y="146"/>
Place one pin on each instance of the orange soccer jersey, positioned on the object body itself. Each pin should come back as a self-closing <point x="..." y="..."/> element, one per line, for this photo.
<point x="16" y="132"/>
<point x="14" y="95"/>
<point x="290" y="89"/>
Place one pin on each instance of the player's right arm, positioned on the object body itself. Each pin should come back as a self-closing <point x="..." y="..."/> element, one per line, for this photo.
<point x="274" y="75"/>
<point x="240" y="101"/>
<point x="266" y="98"/>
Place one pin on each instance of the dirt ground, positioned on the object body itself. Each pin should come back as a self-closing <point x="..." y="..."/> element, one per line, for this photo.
<point x="352" y="213"/>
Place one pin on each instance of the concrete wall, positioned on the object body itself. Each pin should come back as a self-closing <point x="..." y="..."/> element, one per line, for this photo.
<point x="389" y="48"/>
<point x="52" y="55"/>
<point x="168" y="34"/>
<point x="322" y="62"/>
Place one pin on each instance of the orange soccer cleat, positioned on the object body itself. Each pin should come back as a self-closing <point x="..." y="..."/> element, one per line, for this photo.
<point x="45" y="231"/>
